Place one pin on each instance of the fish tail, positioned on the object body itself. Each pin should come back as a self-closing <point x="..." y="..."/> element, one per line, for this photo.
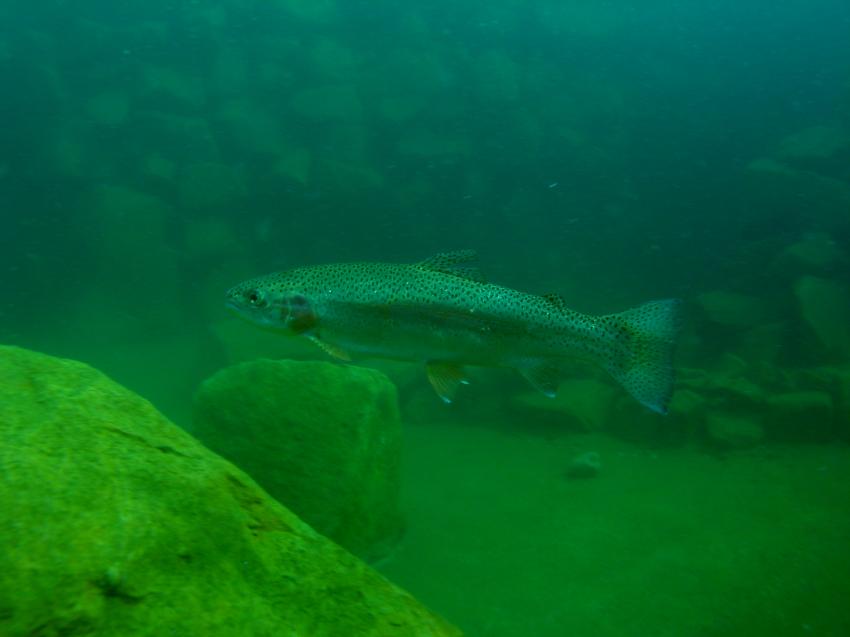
<point x="643" y="364"/>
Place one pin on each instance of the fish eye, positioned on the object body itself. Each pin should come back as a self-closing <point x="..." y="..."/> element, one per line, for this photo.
<point x="255" y="298"/>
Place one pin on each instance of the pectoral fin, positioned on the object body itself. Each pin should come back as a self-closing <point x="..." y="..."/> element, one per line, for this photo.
<point x="544" y="377"/>
<point x="445" y="378"/>
<point x="333" y="350"/>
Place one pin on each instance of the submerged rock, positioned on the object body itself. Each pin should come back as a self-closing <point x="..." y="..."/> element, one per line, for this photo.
<point x="400" y="108"/>
<point x="116" y="522"/>
<point x="733" y="431"/>
<point x="178" y="138"/>
<point x="329" y="58"/>
<point x="801" y="415"/>
<point x="815" y="250"/>
<point x="293" y="163"/>
<point x="825" y="306"/>
<point x="210" y="238"/>
<point x="585" y="465"/>
<point x="497" y="76"/>
<point x="209" y="185"/>
<point x="249" y="127"/>
<point x="815" y="142"/>
<point x="322" y="438"/>
<point x="420" y="142"/>
<point x="776" y="192"/>
<point x="332" y="103"/>
<point x="318" y="11"/>
<point x="109" y="108"/>
<point x="842" y="406"/>
<point x="166" y="82"/>
<point x="731" y="308"/>
<point x="687" y="411"/>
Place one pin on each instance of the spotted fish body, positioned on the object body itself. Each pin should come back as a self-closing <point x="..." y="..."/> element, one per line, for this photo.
<point x="441" y="313"/>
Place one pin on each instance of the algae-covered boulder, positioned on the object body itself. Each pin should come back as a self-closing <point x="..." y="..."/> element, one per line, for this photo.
<point x="816" y="250"/>
<point x="733" y="431"/>
<point x="842" y="406"/>
<point x="169" y="83"/>
<point x="209" y="185"/>
<point x="731" y="308"/>
<point x="815" y="147"/>
<point x="179" y="139"/>
<point x="116" y="522"/>
<point x="801" y="415"/>
<point x="825" y="306"/>
<point x="775" y="189"/>
<point x="293" y="163"/>
<point x="249" y="127"/>
<point x="318" y="11"/>
<point x="329" y="58"/>
<point x="498" y="77"/>
<point x="336" y="102"/>
<point x="322" y="438"/>
<point x="688" y="411"/>
<point x="419" y="142"/>
<point x="109" y="108"/>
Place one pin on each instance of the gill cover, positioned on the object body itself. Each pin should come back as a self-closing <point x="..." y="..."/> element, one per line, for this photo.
<point x="297" y="314"/>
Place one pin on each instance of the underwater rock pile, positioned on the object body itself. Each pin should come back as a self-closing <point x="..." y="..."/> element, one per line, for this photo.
<point x="585" y="465"/>
<point x="735" y="405"/>
<point x="740" y="405"/>
<point x="825" y="307"/>
<point x="324" y="439"/>
<point x="116" y="522"/>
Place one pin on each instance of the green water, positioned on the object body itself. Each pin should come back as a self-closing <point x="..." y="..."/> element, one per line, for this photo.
<point x="155" y="154"/>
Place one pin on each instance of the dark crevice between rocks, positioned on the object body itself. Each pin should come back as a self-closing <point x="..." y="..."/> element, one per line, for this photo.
<point x="64" y="628"/>
<point x="186" y="558"/>
<point x="262" y="520"/>
<point x="140" y="440"/>
<point x="112" y="587"/>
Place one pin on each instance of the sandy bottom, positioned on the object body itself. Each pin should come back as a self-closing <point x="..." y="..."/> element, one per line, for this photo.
<point x="663" y="542"/>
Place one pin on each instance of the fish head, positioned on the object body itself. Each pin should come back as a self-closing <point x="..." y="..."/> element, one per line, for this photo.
<point x="269" y="302"/>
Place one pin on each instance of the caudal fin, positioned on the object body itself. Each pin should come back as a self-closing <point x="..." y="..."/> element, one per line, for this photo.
<point x="646" y="338"/>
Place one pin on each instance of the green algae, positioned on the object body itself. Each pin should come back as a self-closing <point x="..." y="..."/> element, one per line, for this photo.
<point x="117" y="522"/>
<point x="325" y="440"/>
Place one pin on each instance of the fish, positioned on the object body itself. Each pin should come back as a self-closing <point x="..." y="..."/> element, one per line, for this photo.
<point x="441" y="312"/>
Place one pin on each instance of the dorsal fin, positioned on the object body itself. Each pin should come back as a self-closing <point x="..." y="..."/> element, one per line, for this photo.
<point x="557" y="300"/>
<point x="462" y="263"/>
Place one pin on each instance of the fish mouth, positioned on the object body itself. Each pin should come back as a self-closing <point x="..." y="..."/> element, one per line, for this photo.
<point x="231" y="305"/>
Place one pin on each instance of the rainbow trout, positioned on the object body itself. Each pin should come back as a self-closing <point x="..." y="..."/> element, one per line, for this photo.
<point x="441" y="312"/>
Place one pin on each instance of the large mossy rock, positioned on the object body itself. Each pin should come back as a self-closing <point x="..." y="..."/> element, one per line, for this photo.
<point x="324" y="439"/>
<point x="733" y="431"/>
<point x="801" y="416"/>
<point x="825" y="307"/>
<point x="115" y="522"/>
<point x="731" y="308"/>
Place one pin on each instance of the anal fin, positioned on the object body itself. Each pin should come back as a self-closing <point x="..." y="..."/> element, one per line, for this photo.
<point x="445" y="378"/>
<point x="544" y="377"/>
